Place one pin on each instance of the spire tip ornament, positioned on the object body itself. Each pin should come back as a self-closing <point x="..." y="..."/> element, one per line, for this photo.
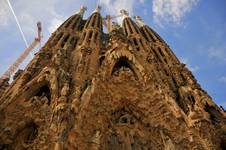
<point x="82" y="10"/>
<point x="139" y="21"/>
<point x="97" y="9"/>
<point x="124" y="13"/>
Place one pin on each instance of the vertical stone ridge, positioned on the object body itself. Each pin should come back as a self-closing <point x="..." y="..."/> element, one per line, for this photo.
<point x="86" y="89"/>
<point x="86" y="54"/>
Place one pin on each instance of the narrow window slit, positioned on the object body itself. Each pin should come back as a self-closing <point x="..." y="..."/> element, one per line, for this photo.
<point x="99" y="21"/>
<point x="64" y="41"/>
<point x="124" y="27"/>
<point x="90" y="36"/>
<point x="93" y="21"/>
<point x="83" y="36"/>
<point x="73" y="42"/>
<point x="58" y="37"/>
<point x="160" y="51"/>
<point x="129" y="27"/>
<point x="135" y="42"/>
<point x="101" y="60"/>
<point x="135" y="27"/>
<point x="151" y="36"/>
<point x="156" y="55"/>
<point x="68" y="23"/>
<point x="95" y="36"/>
<point x="87" y="23"/>
<point x="145" y="35"/>
<point x="96" y="24"/>
<point x="74" y="25"/>
<point x="142" y="44"/>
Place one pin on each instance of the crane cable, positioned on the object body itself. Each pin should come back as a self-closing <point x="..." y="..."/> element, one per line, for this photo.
<point x="28" y="49"/>
<point x="18" y="24"/>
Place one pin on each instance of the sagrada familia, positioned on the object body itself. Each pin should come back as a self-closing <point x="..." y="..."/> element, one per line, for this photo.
<point x="123" y="90"/>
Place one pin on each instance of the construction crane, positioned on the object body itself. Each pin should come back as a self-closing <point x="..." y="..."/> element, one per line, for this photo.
<point x="12" y="68"/>
<point x="107" y="21"/>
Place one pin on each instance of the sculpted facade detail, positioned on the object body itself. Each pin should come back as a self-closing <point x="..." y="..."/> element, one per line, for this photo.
<point x="86" y="89"/>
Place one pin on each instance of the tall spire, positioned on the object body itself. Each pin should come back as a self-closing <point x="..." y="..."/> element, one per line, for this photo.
<point x="82" y="10"/>
<point x="124" y="13"/>
<point x="139" y="21"/>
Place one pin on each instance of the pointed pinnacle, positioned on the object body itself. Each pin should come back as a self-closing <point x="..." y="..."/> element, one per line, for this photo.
<point x="124" y="13"/>
<point x="82" y="10"/>
<point x="139" y="21"/>
<point x="97" y="9"/>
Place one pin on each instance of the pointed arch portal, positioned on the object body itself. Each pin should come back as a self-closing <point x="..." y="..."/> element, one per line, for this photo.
<point x="123" y="64"/>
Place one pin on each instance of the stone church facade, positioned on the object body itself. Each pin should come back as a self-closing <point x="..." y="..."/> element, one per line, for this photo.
<point x="122" y="90"/>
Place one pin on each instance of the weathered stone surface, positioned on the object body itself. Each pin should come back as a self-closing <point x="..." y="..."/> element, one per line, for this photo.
<point x="4" y="84"/>
<point x="124" y="90"/>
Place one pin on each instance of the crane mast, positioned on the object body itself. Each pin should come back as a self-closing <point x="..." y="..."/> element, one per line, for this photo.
<point x="107" y="21"/>
<point x="12" y="68"/>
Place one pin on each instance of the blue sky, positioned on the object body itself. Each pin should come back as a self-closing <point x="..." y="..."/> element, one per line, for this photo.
<point x="194" y="29"/>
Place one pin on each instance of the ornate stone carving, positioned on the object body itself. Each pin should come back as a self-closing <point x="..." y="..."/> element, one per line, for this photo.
<point x="107" y="95"/>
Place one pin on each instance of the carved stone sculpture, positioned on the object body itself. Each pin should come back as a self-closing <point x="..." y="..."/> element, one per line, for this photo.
<point x="123" y="90"/>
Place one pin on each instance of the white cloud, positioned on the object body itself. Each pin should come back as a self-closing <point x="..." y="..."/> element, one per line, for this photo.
<point x="223" y="79"/>
<point x="49" y="12"/>
<point x="29" y="13"/>
<point x="114" y="6"/>
<point x="54" y="24"/>
<point x="105" y="2"/>
<point x="4" y="14"/>
<point x="194" y="69"/>
<point x="171" y="11"/>
<point x="217" y="53"/>
<point x="142" y="1"/>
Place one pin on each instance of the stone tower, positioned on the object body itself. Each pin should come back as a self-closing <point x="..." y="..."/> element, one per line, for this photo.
<point x="86" y="89"/>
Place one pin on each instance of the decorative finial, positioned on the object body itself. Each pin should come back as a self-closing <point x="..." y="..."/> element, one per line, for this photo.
<point x="124" y="13"/>
<point x="97" y="9"/>
<point x="139" y="21"/>
<point x="82" y="10"/>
